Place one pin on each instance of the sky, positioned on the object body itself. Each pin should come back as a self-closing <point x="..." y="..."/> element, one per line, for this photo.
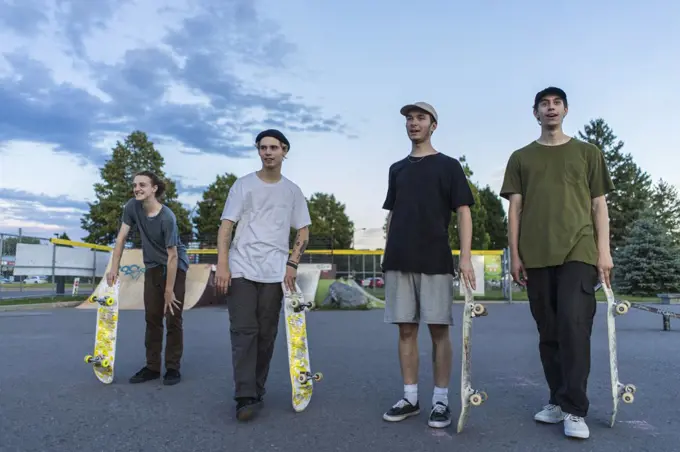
<point x="203" y="77"/>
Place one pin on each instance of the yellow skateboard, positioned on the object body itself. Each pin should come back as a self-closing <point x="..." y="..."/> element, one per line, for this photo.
<point x="104" y="356"/>
<point x="301" y="377"/>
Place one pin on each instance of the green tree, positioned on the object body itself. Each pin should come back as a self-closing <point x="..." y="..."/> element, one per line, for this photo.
<point x="665" y="205"/>
<point x="480" y="238"/>
<point x="9" y="244"/>
<point x="64" y="236"/>
<point x="331" y="227"/>
<point x="136" y="153"/>
<point x="647" y="263"/>
<point x="496" y="224"/>
<point x="210" y="207"/>
<point x="633" y="187"/>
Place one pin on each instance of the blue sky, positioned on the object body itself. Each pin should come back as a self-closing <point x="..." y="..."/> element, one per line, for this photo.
<point x="202" y="77"/>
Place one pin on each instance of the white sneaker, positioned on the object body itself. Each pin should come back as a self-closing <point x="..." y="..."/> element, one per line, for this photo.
<point x="576" y="427"/>
<point x="551" y="414"/>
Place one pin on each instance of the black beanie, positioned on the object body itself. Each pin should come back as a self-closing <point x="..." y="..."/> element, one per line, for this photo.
<point x="273" y="133"/>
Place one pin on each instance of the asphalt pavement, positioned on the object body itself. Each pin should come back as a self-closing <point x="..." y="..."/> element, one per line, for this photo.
<point x="50" y="399"/>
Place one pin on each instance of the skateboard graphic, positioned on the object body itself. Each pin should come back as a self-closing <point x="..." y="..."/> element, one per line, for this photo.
<point x="301" y="377"/>
<point x="468" y="395"/>
<point x="104" y="356"/>
<point x="619" y="390"/>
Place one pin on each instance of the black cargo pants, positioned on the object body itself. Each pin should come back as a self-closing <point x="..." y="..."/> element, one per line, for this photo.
<point x="254" y="311"/>
<point x="562" y="302"/>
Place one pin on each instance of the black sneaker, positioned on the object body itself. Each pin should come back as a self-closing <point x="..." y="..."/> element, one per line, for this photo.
<point x="401" y="410"/>
<point x="145" y="374"/>
<point x="246" y="408"/>
<point x="440" y="416"/>
<point x="171" y="377"/>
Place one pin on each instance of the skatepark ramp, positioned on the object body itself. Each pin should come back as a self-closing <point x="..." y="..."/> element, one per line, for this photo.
<point x="200" y="283"/>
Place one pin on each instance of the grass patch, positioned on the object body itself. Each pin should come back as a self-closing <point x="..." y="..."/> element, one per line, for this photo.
<point x="35" y="300"/>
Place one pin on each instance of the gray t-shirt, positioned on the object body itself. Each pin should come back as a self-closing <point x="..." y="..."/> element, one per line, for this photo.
<point x="158" y="233"/>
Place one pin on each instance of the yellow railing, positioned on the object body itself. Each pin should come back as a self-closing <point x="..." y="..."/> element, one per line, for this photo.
<point x="323" y="252"/>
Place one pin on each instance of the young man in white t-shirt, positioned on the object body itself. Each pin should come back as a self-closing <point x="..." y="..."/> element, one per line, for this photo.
<point x="264" y="205"/>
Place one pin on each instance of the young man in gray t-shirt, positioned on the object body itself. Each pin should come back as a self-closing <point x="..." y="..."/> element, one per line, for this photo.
<point x="166" y="265"/>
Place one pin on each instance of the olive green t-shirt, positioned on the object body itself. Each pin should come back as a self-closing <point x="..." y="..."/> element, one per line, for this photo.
<point x="557" y="184"/>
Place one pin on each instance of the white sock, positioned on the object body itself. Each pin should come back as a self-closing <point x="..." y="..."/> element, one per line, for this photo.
<point x="411" y="393"/>
<point x="440" y="395"/>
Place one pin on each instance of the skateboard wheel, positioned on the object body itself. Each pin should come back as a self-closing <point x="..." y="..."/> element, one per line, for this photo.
<point x="302" y="378"/>
<point x="311" y="305"/>
<point x="478" y="309"/>
<point x="88" y="358"/>
<point x="476" y="399"/>
<point x="484" y="395"/>
<point x="628" y="397"/>
<point x="109" y="301"/>
<point x="621" y="308"/>
<point x="626" y="302"/>
<point x="92" y="299"/>
<point x="294" y="304"/>
<point x="318" y="376"/>
<point x="105" y="363"/>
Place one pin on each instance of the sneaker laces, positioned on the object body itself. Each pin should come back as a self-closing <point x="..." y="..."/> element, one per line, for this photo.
<point x="439" y="408"/>
<point x="401" y="403"/>
<point x="572" y="418"/>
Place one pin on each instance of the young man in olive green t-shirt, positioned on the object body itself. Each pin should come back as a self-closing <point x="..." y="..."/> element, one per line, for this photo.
<point x="559" y="241"/>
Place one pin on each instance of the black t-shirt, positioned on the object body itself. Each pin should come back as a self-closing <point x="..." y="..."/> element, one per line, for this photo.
<point x="422" y="194"/>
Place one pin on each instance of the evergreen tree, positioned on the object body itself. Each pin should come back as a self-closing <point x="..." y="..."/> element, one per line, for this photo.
<point x="647" y="263"/>
<point x="632" y="186"/>
<point x="496" y="224"/>
<point x="135" y="154"/>
<point x="209" y="209"/>
<point x="331" y="227"/>
<point x="666" y="209"/>
<point x="480" y="237"/>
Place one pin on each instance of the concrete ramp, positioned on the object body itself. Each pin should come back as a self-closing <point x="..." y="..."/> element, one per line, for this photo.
<point x="131" y="274"/>
<point x="200" y="283"/>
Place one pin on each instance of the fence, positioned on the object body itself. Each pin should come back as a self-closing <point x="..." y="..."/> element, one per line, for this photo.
<point x="87" y="266"/>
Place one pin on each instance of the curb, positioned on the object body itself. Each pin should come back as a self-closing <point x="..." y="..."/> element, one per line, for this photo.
<point x="33" y="306"/>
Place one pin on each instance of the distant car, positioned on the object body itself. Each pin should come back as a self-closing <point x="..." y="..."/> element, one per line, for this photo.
<point x="35" y="280"/>
<point x="5" y="281"/>
<point x="373" y="283"/>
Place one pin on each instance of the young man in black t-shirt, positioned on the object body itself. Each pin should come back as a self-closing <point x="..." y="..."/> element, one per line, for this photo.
<point x="423" y="190"/>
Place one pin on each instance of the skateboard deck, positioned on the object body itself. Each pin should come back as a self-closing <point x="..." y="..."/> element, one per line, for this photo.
<point x="468" y="395"/>
<point x="619" y="390"/>
<point x="301" y="377"/>
<point x="104" y="356"/>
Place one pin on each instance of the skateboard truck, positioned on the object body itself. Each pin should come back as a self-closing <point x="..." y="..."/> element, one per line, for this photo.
<point x="104" y="301"/>
<point x="99" y="360"/>
<point x="304" y="377"/>
<point x="297" y="306"/>
<point x="627" y="392"/>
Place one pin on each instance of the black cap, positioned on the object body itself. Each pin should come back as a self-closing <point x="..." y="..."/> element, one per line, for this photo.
<point x="273" y="133"/>
<point x="550" y="91"/>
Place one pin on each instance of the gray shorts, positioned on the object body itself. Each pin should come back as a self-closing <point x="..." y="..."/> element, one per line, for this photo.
<point x="410" y="297"/>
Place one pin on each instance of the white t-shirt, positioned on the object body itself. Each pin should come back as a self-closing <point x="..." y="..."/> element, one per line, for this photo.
<point x="265" y="212"/>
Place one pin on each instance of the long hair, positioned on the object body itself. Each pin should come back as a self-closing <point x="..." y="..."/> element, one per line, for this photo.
<point x="155" y="180"/>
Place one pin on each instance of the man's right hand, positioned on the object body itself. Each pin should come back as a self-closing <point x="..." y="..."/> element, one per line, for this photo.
<point x="111" y="278"/>
<point x="519" y="273"/>
<point x="223" y="279"/>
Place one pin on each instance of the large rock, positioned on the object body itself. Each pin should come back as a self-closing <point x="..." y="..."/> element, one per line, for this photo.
<point x="343" y="296"/>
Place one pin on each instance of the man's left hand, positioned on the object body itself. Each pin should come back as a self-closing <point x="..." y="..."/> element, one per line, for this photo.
<point x="467" y="272"/>
<point x="170" y="300"/>
<point x="291" y="276"/>
<point x="604" y="267"/>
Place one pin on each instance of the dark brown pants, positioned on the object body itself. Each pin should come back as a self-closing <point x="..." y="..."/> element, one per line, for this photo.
<point x="254" y="310"/>
<point x="562" y="302"/>
<point x="154" y="301"/>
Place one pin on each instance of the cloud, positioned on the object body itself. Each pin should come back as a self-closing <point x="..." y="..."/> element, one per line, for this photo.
<point x="77" y="76"/>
